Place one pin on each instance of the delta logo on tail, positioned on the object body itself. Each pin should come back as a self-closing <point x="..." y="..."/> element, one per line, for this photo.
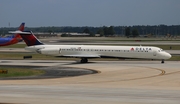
<point x="30" y="39"/>
<point x="12" y="39"/>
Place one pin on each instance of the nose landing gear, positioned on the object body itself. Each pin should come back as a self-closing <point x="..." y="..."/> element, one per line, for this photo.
<point x="162" y="61"/>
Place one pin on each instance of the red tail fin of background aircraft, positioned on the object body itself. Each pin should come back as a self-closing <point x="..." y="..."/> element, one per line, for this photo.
<point x="21" y="28"/>
<point x="14" y="39"/>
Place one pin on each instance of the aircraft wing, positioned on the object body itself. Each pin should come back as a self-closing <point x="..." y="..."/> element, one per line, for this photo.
<point x="81" y="56"/>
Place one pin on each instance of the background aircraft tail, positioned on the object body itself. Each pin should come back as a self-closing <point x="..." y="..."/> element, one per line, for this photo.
<point x="29" y="38"/>
<point x="21" y="28"/>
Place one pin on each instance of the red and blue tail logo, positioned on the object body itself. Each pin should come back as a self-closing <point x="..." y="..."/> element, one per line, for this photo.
<point x="12" y="39"/>
<point x="21" y="28"/>
<point x="30" y="39"/>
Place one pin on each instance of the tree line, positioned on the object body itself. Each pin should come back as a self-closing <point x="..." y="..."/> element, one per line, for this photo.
<point x="129" y="31"/>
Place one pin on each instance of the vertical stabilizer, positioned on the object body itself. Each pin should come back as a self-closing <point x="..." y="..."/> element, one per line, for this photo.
<point x="21" y="28"/>
<point x="29" y="38"/>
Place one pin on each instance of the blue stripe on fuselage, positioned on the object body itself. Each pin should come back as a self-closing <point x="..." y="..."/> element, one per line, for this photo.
<point x="5" y="40"/>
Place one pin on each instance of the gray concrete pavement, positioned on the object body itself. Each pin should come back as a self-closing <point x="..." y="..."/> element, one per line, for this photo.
<point x="85" y="95"/>
<point x="118" y="82"/>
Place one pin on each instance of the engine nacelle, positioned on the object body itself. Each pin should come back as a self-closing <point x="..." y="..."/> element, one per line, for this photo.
<point x="49" y="51"/>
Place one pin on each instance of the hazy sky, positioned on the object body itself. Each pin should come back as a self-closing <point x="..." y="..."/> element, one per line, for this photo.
<point x="36" y="13"/>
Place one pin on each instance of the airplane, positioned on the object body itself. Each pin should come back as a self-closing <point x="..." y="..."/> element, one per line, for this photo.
<point x="92" y="51"/>
<point x="5" y="41"/>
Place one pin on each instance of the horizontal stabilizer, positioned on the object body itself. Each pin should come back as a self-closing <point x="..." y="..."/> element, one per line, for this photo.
<point x="19" y="32"/>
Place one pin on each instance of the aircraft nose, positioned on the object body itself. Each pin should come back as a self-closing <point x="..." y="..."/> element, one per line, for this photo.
<point x="167" y="55"/>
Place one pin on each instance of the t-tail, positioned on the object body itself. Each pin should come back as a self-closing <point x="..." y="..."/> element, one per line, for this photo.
<point x="29" y="38"/>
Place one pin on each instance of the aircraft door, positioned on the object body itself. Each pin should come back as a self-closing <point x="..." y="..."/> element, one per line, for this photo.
<point x="59" y="50"/>
<point x="154" y="53"/>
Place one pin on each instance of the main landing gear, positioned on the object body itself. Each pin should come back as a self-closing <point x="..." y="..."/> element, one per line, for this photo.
<point x="84" y="60"/>
<point x="162" y="61"/>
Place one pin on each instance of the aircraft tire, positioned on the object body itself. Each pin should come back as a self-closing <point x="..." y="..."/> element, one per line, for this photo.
<point x="162" y="61"/>
<point x="84" y="60"/>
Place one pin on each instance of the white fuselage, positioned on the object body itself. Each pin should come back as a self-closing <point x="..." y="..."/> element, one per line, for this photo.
<point x="93" y="51"/>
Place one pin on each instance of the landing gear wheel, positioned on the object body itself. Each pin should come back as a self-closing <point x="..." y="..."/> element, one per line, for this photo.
<point x="162" y="61"/>
<point x="84" y="60"/>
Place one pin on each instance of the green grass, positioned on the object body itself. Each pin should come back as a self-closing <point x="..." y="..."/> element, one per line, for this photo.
<point x="174" y="58"/>
<point x="18" y="72"/>
<point x="19" y="56"/>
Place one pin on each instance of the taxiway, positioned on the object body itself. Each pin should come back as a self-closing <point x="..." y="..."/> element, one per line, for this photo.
<point x="118" y="82"/>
